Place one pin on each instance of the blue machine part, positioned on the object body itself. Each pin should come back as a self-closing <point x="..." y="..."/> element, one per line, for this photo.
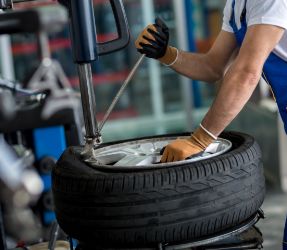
<point x="49" y="217"/>
<point x="49" y="142"/>
<point x="47" y="182"/>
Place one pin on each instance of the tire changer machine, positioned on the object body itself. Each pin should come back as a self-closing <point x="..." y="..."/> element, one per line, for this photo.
<point x="85" y="51"/>
<point x="38" y="120"/>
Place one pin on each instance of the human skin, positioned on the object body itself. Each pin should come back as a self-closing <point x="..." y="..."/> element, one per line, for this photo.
<point x="239" y="79"/>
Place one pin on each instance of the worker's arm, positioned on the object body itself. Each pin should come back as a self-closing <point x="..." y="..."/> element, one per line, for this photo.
<point x="209" y="67"/>
<point x="242" y="77"/>
<point x="238" y="85"/>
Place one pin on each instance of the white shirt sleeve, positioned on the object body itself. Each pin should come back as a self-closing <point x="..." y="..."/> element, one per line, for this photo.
<point x="273" y="12"/>
<point x="226" y="16"/>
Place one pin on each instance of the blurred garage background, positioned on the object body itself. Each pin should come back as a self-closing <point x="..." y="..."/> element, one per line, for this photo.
<point x="158" y="101"/>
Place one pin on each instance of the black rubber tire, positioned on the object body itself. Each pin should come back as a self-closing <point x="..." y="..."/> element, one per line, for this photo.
<point x="119" y="208"/>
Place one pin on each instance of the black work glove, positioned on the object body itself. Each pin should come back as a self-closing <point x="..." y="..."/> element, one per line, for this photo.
<point x="153" y="42"/>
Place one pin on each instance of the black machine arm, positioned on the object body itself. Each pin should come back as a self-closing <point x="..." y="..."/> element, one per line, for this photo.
<point x="86" y="49"/>
<point x="122" y="28"/>
<point x="83" y="28"/>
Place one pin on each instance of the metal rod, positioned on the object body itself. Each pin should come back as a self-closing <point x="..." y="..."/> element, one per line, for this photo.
<point x="88" y="100"/>
<point x="53" y="236"/>
<point x="43" y="44"/>
<point x="3" y="244"/>
<point x="119" y="94"/>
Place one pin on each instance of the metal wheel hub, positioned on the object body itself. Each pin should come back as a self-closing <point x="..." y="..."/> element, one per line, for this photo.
<point x="146" y="153"/>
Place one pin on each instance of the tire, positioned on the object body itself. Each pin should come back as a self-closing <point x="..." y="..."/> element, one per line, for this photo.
<point x="172" y="204"/>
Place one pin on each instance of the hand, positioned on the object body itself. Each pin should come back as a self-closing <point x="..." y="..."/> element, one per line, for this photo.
<point x="153" y="42"/>
<point x="181" y="149"/>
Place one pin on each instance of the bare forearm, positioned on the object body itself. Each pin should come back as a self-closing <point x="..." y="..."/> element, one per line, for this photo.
<point x="235" y="91"/>
<point x="208" y="67"/>
<point x="242" y="77"/>
<point x="196" y="66"/>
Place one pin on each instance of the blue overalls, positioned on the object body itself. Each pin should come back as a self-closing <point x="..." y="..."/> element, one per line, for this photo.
<point x="274" y="72"/>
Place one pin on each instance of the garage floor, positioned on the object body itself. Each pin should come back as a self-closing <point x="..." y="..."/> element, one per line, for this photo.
<point x="275" y="209"/>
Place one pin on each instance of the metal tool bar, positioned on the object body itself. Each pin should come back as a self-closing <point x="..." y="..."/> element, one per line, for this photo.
<point x="54" y="236"/>
<point x="119" y="94"/>
<point x="88" y="100"/>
